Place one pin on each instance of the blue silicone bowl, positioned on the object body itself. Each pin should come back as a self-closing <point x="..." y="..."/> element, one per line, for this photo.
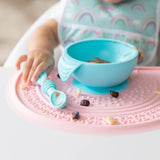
<point x="123" y="57"/>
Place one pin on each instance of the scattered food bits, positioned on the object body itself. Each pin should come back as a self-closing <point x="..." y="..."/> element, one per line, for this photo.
<point x="157" y="92"/>
<point x="93" y="61"/>
<point x="98" y="60"/>
<point x="140" y="57"/>
<point x="46" y="79"/>
<point x="23" y="86"/>
<point x="101" y="60"/>
<point x="75" y="115"/>
<point x="58" y="75"/>
<point x="56" y="94"/>
<point x="114" y="94"/>
<point x="110" y="120"/>
<point x="77" y="92"/>
<point x="60" y="103"/>
<point x="85" y="103"/>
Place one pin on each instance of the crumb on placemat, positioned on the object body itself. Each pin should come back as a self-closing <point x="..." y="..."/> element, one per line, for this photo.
<point x="23" y="86"/>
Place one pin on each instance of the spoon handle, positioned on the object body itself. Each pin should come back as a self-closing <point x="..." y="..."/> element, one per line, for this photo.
<point x="47" y="86"/>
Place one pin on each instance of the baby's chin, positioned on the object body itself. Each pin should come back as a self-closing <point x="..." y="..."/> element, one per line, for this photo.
<point x="113" y="1"/>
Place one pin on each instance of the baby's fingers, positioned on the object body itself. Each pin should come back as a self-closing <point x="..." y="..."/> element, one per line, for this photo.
<point x="20" y="60"/>
<point x="27" y="69"/>
<point x="38" y="71"/>
<point x="33" y="69"/>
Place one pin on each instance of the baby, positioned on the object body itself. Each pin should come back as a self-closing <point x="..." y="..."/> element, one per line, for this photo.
<point x="133" y="21"/>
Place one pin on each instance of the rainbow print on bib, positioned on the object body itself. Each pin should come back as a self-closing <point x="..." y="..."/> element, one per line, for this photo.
<point x="122" y="18"/>
<point x="86" y="12"/>
<point x="134" y="21"/>
<point x="138" y="6"/>
<point x="151" y="21"/>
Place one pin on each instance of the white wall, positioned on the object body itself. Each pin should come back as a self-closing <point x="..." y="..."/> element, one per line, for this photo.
<point x="16" y="16"/>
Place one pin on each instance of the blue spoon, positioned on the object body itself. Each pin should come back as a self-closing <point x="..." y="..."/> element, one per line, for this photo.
<point x="58" y="99"/>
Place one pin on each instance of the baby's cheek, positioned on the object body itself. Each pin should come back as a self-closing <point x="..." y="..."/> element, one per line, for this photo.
<point x="113" y="1"/>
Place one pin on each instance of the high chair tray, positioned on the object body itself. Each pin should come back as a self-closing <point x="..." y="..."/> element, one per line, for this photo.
<point x="137" y="109"/>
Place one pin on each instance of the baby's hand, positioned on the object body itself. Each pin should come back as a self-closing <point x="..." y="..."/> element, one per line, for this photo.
<point x="37" y="61"/>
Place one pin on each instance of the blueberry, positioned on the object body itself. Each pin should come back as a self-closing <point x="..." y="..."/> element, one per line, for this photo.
<point x="85" y="103"/>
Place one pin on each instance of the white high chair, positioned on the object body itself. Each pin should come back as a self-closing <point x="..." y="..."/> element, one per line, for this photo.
<point x="22" y="45"/>
<point x="128" y="147"/>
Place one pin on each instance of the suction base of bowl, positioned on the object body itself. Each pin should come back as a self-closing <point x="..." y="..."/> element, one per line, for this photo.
<point x="100" y="90"/>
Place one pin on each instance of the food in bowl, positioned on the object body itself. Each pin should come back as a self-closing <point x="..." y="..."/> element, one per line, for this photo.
<point x="98" y="60"/>
<point x="123" y="57"/>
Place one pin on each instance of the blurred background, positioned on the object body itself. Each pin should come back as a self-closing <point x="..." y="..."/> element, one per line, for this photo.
<point x="16" y="16"/>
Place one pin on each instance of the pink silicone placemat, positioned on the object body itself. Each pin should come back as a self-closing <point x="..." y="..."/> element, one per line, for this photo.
<point x="137" y="109"/>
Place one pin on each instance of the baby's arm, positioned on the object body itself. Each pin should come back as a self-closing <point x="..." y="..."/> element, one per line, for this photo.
<point x="40" y="53"/>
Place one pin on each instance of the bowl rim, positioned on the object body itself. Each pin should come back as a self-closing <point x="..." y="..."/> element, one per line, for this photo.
<point x="113" y="40"/>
